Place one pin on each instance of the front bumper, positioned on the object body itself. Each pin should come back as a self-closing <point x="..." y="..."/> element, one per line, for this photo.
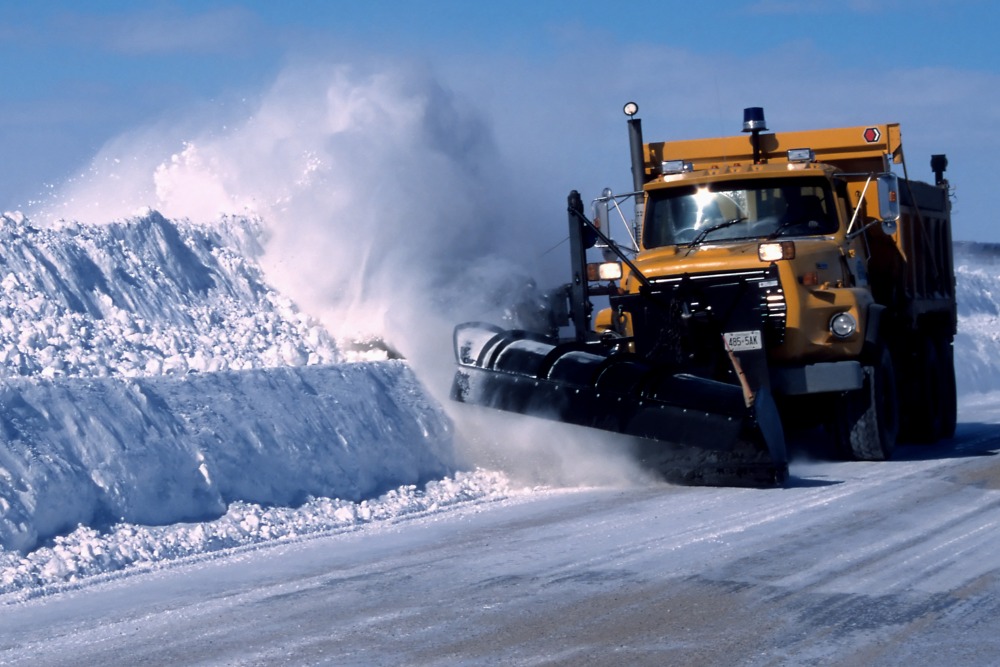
<point x="834" y="376"/>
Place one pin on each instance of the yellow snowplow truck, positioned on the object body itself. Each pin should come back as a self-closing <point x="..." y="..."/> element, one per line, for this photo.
<point x="771" y="281"/>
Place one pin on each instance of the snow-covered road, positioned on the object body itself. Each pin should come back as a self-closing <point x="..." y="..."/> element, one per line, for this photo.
<point x="193" y="473"/>
<point x="852" y="564"/>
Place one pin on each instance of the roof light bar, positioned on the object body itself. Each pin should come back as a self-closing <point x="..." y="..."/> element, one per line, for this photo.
<point x="801" y="155"/>
<point x="753" y="120"/>
<point x="676" y="166"/>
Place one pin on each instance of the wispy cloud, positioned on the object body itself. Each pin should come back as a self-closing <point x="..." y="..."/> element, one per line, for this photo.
<point x="860" y="7"/>
<point x="163" y="30"/>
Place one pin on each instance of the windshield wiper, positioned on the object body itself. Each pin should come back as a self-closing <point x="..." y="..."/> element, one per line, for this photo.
<point x="782" y="226"/>
<point x="714" y="228"/>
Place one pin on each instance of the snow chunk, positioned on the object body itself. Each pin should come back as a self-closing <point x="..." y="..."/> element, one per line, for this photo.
<point x="126" y="547"/>
<point x="142" y="297"/>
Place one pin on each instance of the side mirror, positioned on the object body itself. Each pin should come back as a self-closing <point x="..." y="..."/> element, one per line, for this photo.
<point x="601" y="211"/>
<point x="888" y="200"/>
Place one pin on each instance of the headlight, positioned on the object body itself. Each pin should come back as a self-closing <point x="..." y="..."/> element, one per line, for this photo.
<point x="843" y="325"/>
<point x="772" y="252"/>
<point x="604" y="271"/>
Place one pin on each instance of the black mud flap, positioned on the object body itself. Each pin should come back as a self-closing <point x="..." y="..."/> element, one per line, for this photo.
<point x="689" y="428"/>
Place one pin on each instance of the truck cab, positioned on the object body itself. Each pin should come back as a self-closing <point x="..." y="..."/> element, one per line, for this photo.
<point x="773" y="277"/>
<point x="827" y="239"/>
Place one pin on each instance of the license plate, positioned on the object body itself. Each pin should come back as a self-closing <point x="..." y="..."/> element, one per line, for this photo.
<point x="739" y="341"/>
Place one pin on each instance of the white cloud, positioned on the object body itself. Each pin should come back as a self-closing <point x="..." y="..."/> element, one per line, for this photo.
<point x="164" y="30"/>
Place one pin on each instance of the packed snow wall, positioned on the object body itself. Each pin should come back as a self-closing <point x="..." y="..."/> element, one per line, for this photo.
<point x="977" y="287"/>
<point x="149" y="374"/>
<point x="158" y="450"/>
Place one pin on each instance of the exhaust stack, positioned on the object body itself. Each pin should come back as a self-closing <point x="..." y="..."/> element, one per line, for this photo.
<point x="638" y="158"/>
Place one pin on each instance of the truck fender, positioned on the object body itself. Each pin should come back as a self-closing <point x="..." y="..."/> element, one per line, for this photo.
<point x="873" y="333"/>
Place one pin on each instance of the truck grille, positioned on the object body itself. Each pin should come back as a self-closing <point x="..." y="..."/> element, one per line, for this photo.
<point x="696" y="290"/>
<point x="774" y="310"/>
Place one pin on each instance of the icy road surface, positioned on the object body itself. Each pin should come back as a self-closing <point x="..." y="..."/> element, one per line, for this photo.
<point x="853" y="564"/>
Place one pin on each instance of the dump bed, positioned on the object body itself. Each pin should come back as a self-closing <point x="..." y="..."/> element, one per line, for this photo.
<point x="924" y="242"/>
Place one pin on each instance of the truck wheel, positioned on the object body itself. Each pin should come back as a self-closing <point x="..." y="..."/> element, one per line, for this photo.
<point x="867" y="420"/>
<point x="949" y="400"/>
<point x="932" y="414"/>
<point x="921" y="413"/>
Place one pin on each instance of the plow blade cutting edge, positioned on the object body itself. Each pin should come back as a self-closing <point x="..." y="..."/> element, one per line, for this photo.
<point x="689" y="428"/>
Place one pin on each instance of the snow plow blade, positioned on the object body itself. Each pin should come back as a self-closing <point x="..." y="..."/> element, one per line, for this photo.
<point x="690" y="428"/>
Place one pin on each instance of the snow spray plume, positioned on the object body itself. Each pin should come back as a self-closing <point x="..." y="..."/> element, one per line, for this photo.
<point x="382" y="194"/>
<point x="535" y="451"/>
<point x="387" y="206"/>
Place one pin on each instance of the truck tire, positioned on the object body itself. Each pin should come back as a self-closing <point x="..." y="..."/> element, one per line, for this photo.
<point x="921" y="411"/>
<point x="867" y="420"/>
<point x="931" y="414"/>
<point x="949" y="394"/>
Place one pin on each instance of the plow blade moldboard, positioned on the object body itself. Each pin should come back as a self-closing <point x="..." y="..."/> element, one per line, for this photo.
<point x="693" y="421"/>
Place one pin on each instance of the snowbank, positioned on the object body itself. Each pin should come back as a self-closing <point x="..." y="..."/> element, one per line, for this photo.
<point x="150" y="375"/>
<point x="162" y="450"/>
<point x="977" y="345"/>
<point x="87" y="552"/>
<point x="145" y="296"/>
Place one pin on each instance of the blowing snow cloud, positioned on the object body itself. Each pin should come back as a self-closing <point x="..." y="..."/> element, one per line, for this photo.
<point x="372" y="187"/>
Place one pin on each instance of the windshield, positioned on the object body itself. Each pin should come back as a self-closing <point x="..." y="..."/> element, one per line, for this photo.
<point x="739" y="209"/>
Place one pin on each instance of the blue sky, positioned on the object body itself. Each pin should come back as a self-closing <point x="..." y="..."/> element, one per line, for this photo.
<point x="545" y="79"/>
